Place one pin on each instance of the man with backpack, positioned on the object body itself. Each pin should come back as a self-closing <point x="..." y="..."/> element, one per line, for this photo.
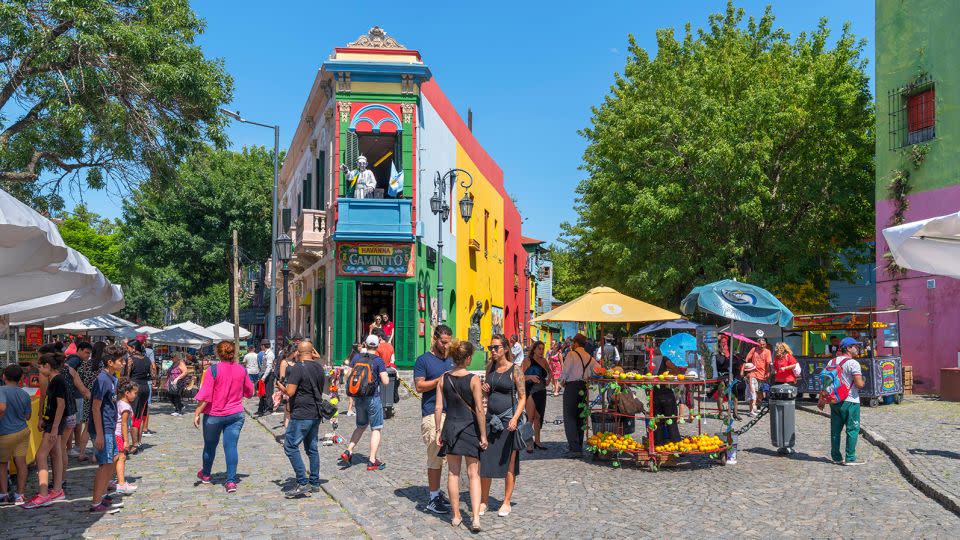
<point x="841" y="380"/>
<point x="305" y="384"/>
<point x="366" y="372"/>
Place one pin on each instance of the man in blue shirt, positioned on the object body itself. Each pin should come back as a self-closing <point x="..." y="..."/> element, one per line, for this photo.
<point x="427" y="370"/>
<point x="368" y="405"/>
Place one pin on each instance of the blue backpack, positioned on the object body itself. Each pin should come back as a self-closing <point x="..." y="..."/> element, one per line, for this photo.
<point x="832" y="388"/>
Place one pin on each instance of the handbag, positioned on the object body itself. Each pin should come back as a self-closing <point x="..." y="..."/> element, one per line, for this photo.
<point x="796" y="370"/>
<point x="523" y="436"/>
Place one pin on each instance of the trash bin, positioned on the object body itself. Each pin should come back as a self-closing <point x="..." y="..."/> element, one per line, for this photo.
<point x="387" y="392"/>
<point x="783" y="417"/>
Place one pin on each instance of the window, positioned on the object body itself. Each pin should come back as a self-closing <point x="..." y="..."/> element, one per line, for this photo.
<point x="921" y="111"/>
<point x="486" y="225"/>
<point x="912" y="113"/>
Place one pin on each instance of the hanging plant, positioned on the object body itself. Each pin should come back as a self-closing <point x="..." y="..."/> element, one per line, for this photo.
<point x="918" y="153"/>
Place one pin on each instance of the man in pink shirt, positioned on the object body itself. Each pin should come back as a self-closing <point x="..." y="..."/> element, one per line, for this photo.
<point x="756" y="369"/>
<point x="220" y="401"/>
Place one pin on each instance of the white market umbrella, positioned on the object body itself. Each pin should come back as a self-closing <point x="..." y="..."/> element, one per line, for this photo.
<point x="28" y="241"/>
<point x="58" y="304"/>
<point x="112" y="305"/>
<point x="191" y="326"/>
<point x="224" y="330"/>
<point x="149" y="330"/>
<point x="84" y="326"/>
<point x="179" y="336"/>
<point x="74" y="272"/>
<point x="930" y="245"/>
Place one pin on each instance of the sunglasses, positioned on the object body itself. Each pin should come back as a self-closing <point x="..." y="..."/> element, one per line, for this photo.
<point x="495" y="348"/>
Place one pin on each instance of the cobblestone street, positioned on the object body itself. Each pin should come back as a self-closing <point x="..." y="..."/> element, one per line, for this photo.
<point x="560" y="497"/>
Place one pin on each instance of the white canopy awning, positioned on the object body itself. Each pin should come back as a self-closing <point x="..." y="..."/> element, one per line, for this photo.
<point x="116" y="303"/>
<point x="28" y="241"/>
<point x="56" y="305"/>
<point x="196" y="329"/>
<point x="930" y="245"/>
<point x="149" y="330"/>
<point x="179" y="336"/>
<point x="224" y="330"/>
<point x="75" y="272"/>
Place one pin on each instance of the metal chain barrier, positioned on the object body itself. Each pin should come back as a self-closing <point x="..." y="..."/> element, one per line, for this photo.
<point x="764" y="409"/>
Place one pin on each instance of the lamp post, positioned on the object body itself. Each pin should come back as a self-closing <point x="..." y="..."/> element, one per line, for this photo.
<point x="272" y="319"/>
<point x="440" y="207"/>
<point x="283" y="245"/>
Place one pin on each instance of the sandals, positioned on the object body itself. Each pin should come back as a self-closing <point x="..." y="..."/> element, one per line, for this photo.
<point x="539" y="446"/>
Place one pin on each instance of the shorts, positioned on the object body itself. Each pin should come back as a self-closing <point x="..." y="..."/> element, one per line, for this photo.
<point x="48" y="427"/>
<point x="428" y="432"/>
<point x="81" y="411"/>
<point x="142" y="402"/>
<point x="108" y="452"/>
<point x="751" y="391"/>
<point x="14" y="445"/>
<point x="369" y="412"/>
<point x="70" y="421"/>
<point x="120" y="446"/>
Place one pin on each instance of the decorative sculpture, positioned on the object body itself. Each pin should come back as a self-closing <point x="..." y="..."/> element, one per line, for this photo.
<point x="473" y="334"/>
<point x="362" y="180"/>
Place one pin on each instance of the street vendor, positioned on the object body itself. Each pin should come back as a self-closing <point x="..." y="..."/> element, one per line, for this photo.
<point x="755" y="371"/>
<point x="665" y="403"/>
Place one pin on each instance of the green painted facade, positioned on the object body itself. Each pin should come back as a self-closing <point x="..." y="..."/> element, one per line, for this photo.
<point x="915" y="38"/>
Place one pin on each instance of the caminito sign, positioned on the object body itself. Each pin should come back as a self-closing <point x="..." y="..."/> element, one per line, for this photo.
<point x="368" y="259"/>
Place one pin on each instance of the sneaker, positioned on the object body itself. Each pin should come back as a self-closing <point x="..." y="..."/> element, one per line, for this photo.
<point x="175" y="414"/>
<point x="346" y="457"/>
<point x="73" y="452"/>
<point x="5" y="499"/>
<point x="231" y="487"/>
<point x="126" y="489"/>
<point x="376" y="465"/>
<point x="204" y="478"/>
<point x="103" y="509"/>
<point x="149" y="433"/>
<point x="437" y="506"/>
<point x="443" y="497"/>
<point x="854" y="463"/>
<point x="37" y="501"/>
<point x="835" y="462"/>
<point x="296" y="491"/>
<point x="112" y="486"/>
<point x="314" y="488"/>
<point x="56" y="496"/>
<point x="351" y="413"/>
<point x="18" y="499"/>
<point x="274" y="413"/>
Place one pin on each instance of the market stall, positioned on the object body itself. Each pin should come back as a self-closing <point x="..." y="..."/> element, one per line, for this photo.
<point x="882" y="375"/>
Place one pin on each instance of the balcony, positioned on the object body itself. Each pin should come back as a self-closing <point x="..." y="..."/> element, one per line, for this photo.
<point x="309" y="236"/>
<point x="379" y="220"/>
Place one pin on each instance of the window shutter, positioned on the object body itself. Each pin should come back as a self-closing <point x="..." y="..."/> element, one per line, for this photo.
<point x="345" y="318"/>
<point x="921" y="112"/>
<point x="405" y="323"/>
<point x="321" y="187"/>
<point x="320" y="318"/>
<point x="285" y="220"/>
<point x="307" y="188"/>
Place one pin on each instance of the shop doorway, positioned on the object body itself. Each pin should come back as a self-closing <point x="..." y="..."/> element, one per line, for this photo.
<point x="373" y="298"/>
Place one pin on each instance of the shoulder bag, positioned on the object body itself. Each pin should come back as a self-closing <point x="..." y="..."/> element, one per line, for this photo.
<point x="524" y="433"/>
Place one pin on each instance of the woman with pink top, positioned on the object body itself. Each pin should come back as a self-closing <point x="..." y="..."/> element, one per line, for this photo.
<point x="222" y="390"/>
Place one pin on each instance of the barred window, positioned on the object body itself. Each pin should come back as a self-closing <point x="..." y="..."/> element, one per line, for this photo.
<point x="912" y="113"/>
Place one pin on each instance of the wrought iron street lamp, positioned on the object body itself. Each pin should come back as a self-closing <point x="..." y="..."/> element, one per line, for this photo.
<point x="283" y="246"/>
<point x="271" y="320"/>
<point x="441" y="208"/>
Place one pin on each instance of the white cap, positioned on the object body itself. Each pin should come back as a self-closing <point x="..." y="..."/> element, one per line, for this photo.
<point x="372" y="341"/>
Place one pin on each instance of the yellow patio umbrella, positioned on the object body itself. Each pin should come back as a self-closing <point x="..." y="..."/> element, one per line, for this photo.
<point x="605" y="305"/>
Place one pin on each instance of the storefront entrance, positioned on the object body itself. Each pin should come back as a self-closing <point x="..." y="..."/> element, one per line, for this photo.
<point x="373" y="298"/>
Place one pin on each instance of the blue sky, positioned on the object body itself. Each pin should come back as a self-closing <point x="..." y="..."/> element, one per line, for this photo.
<point x="529" y="70"/>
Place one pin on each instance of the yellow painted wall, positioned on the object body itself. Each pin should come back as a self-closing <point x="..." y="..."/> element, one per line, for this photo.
<point x="478" y="276"/>
<point x="374" y="87"/>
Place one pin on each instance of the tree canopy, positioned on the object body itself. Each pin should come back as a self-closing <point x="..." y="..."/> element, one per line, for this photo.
<point x="737" y="151"/>
<point x="96" y="93"/>
<point x="185" y="228"/>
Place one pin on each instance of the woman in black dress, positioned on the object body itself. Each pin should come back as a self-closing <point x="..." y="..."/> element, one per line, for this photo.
<point x="506" y="398"/>
<point x="537" y="375"/>
<point x="665" y="403"/>
<point x="464" y="432"/>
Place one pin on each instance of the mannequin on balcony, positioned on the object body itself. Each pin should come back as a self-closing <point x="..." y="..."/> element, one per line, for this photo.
<point x="361" y="180"/>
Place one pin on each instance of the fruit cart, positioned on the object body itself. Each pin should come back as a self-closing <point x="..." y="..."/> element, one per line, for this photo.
<point x="611" y="438"/>
<point x="882" y="375"/>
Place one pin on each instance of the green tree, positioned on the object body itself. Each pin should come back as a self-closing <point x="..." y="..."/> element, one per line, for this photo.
<point x="185" y="228"/>
<point x="102" y="92"/>
<point x="107" y="248"/>
<point x="737" y="151"/>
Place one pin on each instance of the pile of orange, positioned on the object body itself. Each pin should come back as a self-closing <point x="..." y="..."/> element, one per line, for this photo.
<point x="699" y="443"/>
<point x="612" y="442"/>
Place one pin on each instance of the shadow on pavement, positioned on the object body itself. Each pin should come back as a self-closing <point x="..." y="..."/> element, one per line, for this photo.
<point x="940" y="453"/>
<point x="800" y="456"/>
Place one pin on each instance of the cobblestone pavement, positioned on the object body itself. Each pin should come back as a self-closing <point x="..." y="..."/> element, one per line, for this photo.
<point x="924" y="433"/>
<point x="764" y="495"/>
<point x="170" y="504"/>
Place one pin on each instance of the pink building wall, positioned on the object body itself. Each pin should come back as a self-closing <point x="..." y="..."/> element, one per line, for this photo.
<point x="930" y="330"/>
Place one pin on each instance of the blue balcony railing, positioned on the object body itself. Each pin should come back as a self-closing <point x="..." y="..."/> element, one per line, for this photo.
<point x="383" y="220"/>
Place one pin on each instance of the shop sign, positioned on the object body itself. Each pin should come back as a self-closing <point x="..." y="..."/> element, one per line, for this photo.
<point x="888" y="375"/>
<point x="891" y="336"/>
<point x="367" y="259"/>
<point x="34" y="336"/>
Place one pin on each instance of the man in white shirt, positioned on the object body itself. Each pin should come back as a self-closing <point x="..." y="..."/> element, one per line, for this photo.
<point x="845" y="416"/>
<point x="576" y="370"/>
<point x="266" y="401"/>
<point x="250" y="360"/>
<point x="609" y="351"/>
<point x="516" y="350"/>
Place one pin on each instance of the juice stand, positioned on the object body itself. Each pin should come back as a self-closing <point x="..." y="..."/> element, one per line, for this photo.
<point x="882" y="375"/>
